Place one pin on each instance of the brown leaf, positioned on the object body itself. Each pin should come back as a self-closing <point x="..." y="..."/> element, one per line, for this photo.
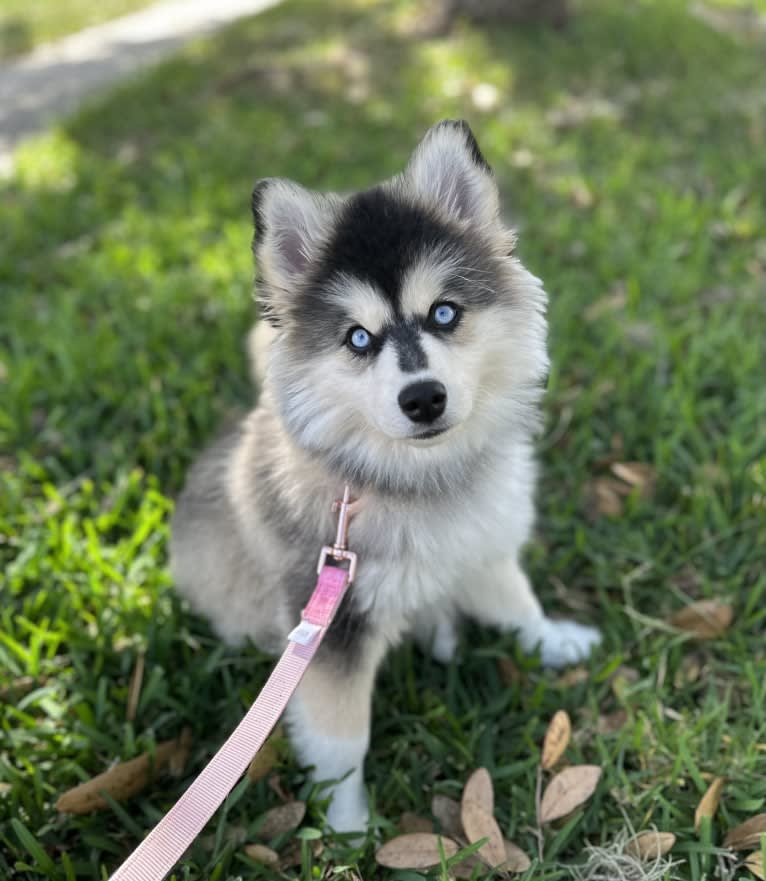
<point x="638" y="475"/>
<point x="282" y="819"/>
<point x="479" y="823"/>
<point x="466" y="867"/>
<point x="709" y="802"/>
<point x="568" y="790"/>
<point x="478" y="789"/>
<point x="515" y="858"/>
<point x="409" y="822"/>
<point x="604" y="496"/>
<point x="556" y="739"/>
<point x="610" y="723"/>
<point x="262" y="854"/>
<point x="747" y="835"/>
<point x="572" y="677"/>
<point x="650" y="845"/>
<point x="447" y="812"/>
<point x="263" y="761"/>
<point x="705" y="619"/>
<point x="292" y="855"/>
<point x="121" y="781"/>
<point x="417" y="851"/>
<point x="754" y="863"/>
<point x="509" y="672"/>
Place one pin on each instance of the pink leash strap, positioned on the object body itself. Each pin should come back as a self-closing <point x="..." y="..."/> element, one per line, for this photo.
<point x="166" y="843"/>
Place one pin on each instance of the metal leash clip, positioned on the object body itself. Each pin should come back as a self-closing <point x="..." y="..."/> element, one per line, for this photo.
<point x="339" y="550"/>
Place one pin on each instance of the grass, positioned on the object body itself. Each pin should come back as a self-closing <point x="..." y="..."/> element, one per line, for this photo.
<point x="631" y="150"/>
<point x="25" y="23"/>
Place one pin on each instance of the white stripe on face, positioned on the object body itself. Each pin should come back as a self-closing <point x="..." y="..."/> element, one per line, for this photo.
<point x="361" y="302"/>
<point x="423" y="285"/>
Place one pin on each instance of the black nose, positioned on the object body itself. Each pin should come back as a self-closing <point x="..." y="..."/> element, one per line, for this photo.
<point x="423" y="401"/>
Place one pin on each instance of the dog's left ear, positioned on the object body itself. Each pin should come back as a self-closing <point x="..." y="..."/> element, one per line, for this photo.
<point x="448" y="171"/>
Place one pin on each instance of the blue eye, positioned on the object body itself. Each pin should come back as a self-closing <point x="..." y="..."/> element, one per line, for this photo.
<point x="359" y="339"/>
<point x="444" y="314"/>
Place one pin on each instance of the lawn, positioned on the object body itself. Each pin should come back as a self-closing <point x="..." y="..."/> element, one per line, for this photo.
<point x="631" y="152"/>
<point x="25" y="23"/>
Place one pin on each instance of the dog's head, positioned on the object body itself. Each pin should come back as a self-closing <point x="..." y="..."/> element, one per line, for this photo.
<point x="410" y="339"/>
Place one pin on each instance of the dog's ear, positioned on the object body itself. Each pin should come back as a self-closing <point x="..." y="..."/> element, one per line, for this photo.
<point x="447" y="171"/>
<point x="290" y="224"/>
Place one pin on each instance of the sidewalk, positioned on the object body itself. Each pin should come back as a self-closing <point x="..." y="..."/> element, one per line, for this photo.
<point x="55" y="78"/>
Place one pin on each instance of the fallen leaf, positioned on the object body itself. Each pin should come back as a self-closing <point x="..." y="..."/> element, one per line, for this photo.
<point x="262" y="854"/>
<point x="409" y="822"/>
<point x="614" y="301"/>
<point x="747" y="835"/>
<point x="568" y="790"/>
<point x="611" y="723"/>
<point x="705" y="619"/>
<point x="509" y="672"/>
<point x="478" y="789"/>
<point x="121" y="781"/>
<point x="572" y="677"/>
<point x="650" y="845"/>
<point x="263" y="761"/>
<point x="283" y="818"/>
<point x="447" y="812"/>
<point x="556" y="739"/>
<point x="754" y="863"/>
<point x="292" y="855"/>
<point x="416" y="851"/>
<point x="638" y="475"/>
<point x="179" y="758"/>
<point x="479" y="823"/>
<point x="604" y="496"/>
<point x="515" y="858"/>
<point x="709" y="802"/>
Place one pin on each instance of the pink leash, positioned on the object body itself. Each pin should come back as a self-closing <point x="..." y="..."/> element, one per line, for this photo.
<point x="166" y="843"/>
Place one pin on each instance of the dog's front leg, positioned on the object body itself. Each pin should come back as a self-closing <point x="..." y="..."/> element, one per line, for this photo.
<point x="329" y="722"/>
<point x="506" y="600"/>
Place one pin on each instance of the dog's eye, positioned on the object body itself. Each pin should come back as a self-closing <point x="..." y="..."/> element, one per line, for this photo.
<point x="359" y="339"/>
<point x="443" y="314"/>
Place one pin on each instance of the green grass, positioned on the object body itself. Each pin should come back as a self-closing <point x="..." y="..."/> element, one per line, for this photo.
<point x="631" y="150"/>
<point x="25" y="23"/>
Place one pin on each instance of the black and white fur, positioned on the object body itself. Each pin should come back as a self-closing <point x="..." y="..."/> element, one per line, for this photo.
<point x="446" y="502"/>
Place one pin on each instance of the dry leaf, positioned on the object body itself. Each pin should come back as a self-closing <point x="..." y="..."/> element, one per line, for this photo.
<point x="705" y="619"/>
<point x="556" y="739"/>
<point x="292" y="855"/>
<point x="610" y="723"/>
<point x="754" y="863"/>
<point x="509" y="672"/>
<point x="447" y="812"/>
<point x="637" y="475"/>
<point x="515" y="858"/>
<point x="604" y="496"/>
<point x="478" y="789"/>
<point x="650" y="845"/>
<point x="479" y="823"/>
<point x="572" y="677"/>
<point x="263" y="761"/>
<point x="180" y="756"/>
<point x="123" y="780"/>
<point x="748" y="834"/>
<point x="409" y="822"/>
<point x="262" y="854"/>
<point x="709" y="802"/>
<point x="466" y="868"/>
<point x="567" y="791"/>
<point x="282" y="819"/>
<point x="417" y="851"/>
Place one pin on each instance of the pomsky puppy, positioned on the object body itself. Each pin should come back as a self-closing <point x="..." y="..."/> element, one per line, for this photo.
<point x="403" y="350"/>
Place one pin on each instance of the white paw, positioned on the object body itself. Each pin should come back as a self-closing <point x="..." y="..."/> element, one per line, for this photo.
<point x="348" y="811"/>
<point x="445" y="642"/>
<point x="560" y="642"/>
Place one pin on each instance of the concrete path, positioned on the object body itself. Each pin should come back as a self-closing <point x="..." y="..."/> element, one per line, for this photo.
<point x="54" y="79"/>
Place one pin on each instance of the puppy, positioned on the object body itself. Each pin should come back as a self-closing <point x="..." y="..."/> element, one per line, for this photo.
<point x="403" y="352"/>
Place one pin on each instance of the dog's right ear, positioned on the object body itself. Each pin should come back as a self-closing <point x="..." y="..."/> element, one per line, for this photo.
<point x="290" y="224"/>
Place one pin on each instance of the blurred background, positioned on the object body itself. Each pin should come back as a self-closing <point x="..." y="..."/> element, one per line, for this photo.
<point x="629" y="143"/>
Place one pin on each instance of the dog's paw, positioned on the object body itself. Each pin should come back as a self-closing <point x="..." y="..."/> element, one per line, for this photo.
<point x="348" y="811"/>
<point x="561" y="642"/>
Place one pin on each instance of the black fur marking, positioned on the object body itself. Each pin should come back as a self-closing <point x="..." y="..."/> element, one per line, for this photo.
<point x="256" y="204"/>
<point x="471" y="143"/>
<point x="405" y="335"/>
